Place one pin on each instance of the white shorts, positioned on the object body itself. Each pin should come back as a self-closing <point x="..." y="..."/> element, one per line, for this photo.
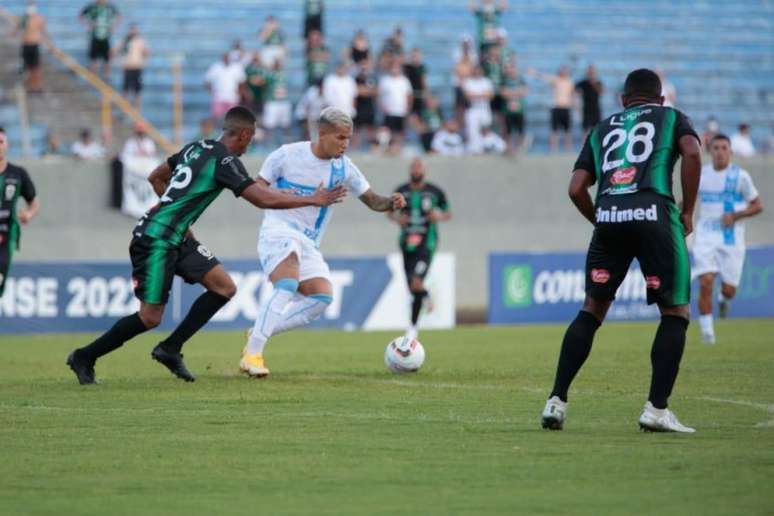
<point x="274" y="248"/>
<point x="725" y="260"/>
<point x="276" y="113"/>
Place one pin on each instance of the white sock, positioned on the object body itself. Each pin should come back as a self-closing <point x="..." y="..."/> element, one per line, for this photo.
<point x="705" y="323"/>
<point x="270" y="314"/>
<point x="302" y="310"/>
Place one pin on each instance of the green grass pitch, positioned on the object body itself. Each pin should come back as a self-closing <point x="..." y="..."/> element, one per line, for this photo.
<point x="332" y="432"/>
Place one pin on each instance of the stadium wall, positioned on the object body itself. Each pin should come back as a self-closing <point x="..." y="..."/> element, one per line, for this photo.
<point x="498" y="204"/>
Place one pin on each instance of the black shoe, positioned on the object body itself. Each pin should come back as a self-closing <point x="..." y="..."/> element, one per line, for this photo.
<point x="173" y="362"/>
<point x="82" y="367"/>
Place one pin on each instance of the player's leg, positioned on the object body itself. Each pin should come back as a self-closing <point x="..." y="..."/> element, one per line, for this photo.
<point x="706" y="267"/>
<point x="314" y="296"/>
<point x="5" y="261"/>
<point x="416" y="264"/>
<point x="731" y="265"/>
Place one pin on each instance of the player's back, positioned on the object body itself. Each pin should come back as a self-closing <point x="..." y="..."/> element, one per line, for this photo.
<point x="635" y="150"/>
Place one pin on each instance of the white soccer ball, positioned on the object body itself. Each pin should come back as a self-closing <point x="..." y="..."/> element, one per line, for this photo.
<point x="404" y="355"/>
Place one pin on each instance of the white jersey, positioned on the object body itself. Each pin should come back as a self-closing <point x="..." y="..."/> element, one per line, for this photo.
<point x="294" y="167"/>
<point x="721" y="192"/>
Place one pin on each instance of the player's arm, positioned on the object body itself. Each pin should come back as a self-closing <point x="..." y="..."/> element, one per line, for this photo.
<point x="753" y="208"/>
<point x="380" y="203"/>
<point x="690" y="172"/>
<point x="260" y="194"/>
<point x="30" y="197"/>
<point x="398" y="216"/>
<point x="159" y="178"/>
<point x="580" y="182"/>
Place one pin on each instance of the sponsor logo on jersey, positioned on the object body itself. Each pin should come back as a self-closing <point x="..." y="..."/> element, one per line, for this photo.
<point x="623" y="176"/>
<point x="614" y="215"/>
<point x="227" y="160"/>
<point x="10" y="190"/>
<point x="652" y="282"/>
<point x="204" y="251"/>
<point x="600" y="275"/>
<point x="427" y="203"/>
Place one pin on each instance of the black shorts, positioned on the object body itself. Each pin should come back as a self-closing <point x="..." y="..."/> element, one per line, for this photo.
<point x="6" y="253"/>
<point x="514" y="123"/>
<point x="396" y="124"/>
<point x="417" y="104"/>
<point x="365" y="117"/>
<point x="645" y="226"/>
<point x="560" y="119"/>
<point x="497" y="104"/>
<point x="30" y="56"/>
<point x="416" y="262"/>
<point x="99" y="49"/>
<point x="312" y="23"/>
<point x="460" y="100"/>
<point x="133" y="80"/>
<point x="427" y="140"/>
<point x="155" y="263"/>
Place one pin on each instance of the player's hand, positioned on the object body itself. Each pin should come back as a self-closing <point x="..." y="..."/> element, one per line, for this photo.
<point x="435" y="216"/>
<point x="398" y="201"/>
<point x="728" y="220"/>
<point x="404" y="219"/>
<point x="325" y="197"/>
<point x="188" y="235"/>
<point x="687" y="220"/>
<point x="24" y="216"/>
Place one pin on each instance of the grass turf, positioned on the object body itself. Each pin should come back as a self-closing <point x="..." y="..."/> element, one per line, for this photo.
<point x="332" y="432"/>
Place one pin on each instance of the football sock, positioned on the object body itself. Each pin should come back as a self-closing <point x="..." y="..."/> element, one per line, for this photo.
<point x="576" y="347"/>
<point x="270" y="314"/>
<point x="416" y="305"/>
<point x="303" y="311"/>
<point x="706" y="324"/>
<point x="665" y="358"/>
<point x="201" y="311"/>
<point x="123" y="330"/>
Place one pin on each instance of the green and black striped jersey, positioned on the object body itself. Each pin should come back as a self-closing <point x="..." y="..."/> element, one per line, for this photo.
<point x="635" y="150"/>
<point x="421" y="231"/>
<point x="14" y="183"/>
<point x="200" y="171"/>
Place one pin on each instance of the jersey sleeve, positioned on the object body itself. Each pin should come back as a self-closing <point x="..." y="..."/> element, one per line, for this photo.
<point x="356" y="181"/>
<point x="443" y="204"/>
<point x="27" y="187"/>
<point x="683" y="127"/>
<point x="272" y="167"/>
<point x="749" y="192"/>
<point x="230" y="173"/>
<point x="585" y="159"/>
<point x="173" y="160"/>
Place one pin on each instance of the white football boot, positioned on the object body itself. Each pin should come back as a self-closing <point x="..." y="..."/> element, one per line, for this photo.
<point x="554" y="414"/>
<point x="708" y="338"/>
<point x="661" y="420"/>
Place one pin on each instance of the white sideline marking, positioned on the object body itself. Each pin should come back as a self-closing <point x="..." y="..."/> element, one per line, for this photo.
<point x="761" y="406"/>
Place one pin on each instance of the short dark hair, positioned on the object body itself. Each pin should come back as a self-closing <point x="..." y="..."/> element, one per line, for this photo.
<point x="2" y="129"/>
<point x="642" y="83"/>
<point x="237" y="118"/>
<point x="720" y="136"/>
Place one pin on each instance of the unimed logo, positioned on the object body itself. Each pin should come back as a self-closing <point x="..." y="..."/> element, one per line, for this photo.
<point x="517" y="285"/>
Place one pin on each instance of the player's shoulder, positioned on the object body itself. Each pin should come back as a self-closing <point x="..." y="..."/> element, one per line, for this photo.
<point x="403" y="187"/>
<point x="295" y="150"/>
<point x="13" y="169"/>
<point x="744" y="174"/>
<point x="434" y="188"/>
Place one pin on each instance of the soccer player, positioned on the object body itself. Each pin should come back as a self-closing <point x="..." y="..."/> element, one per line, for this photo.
<point x="289" y="241"/>
<point x="14" y="183"/>
<point x="727" y="195"/>
<point x="426" y="206"/>
<point x="630" y="157"/>
<point x="163" y="245"/>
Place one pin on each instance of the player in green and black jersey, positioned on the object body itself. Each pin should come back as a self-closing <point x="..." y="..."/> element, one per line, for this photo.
<point x="163" y="245"/>
<point x="426" y="205"/>
<point x="102" y="17"/>
<point x="14" y="183"/>
<point x="630" y="157"/>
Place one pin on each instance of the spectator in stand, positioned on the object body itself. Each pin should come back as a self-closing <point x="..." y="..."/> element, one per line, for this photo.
<point x="360" y="48"/>
<point x="102" y="18"/>
<point x="590" y="89"/>
<point x="313" y="17"/>
<point x="365" y="105"/>
<point x="710" y="131"/>
<point x="54" y="146"/>
<point x="339" y="90"/>
<point x="222" y="80"/>
<point x="139" y="145"/>
<point x="488" y="15"/>
<point x="491" y="142"/>
<point x="741" y="142"/>
<point x="479" y="92"/>
<point x="135" y="53"/>
<point x="463" y="69"/>
<point x="254" y="85"/>
<point x="272" y="41"/>
<point x="430" y="121"/>
<point x="392" y="50"/>
<point x="238" y="54"/>
<point x="668" y="90"/>
<point x="277" y="110"/>
<point x="317" y="57"/>
<point x="513" y="91"/>
<point x="493" y="70"/>
<point x="32" y="27"/>
<point x="448" y="141"/>
<point x="86" y="148"/>
<point x="308" y="110"/>
<point x="416" y="73"/>
<point x="563" y="90"/>
<point x="395" y="101"/>
<point x="507" y="54"/>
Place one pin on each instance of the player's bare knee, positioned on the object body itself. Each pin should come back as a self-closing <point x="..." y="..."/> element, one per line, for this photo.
<point x="728" y="291"/>
<point x="151" y="316"/>
<point x="228" y="290"/>
<point x="705" y="282"/>
<point x="416" y="284"/>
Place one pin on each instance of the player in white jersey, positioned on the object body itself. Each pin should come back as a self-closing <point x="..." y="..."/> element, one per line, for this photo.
<point x="288" y="245"/>
<point x="727" y="196"/>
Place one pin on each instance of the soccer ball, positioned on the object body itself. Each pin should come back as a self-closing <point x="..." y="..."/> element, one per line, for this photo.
<point x="404" y="355"/>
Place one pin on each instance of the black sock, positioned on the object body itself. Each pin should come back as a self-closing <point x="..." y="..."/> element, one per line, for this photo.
<point x="416" y="305"/>
<point x="576" y="347"/>
<point x="665" y="358"/>
<point x="123" y="330"/>
<point x="201" y="311"/>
